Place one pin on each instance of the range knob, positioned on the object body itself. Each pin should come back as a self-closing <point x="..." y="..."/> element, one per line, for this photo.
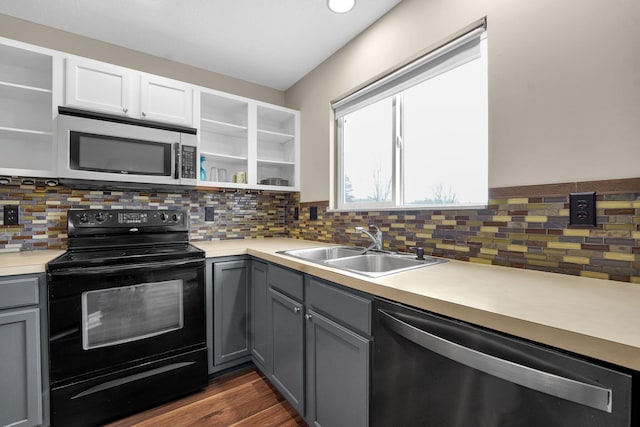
<point x="100" y="217"/>
<point x="83" y="218"/>
<point x="175" y="217"/>
<point x="164" y="217"/>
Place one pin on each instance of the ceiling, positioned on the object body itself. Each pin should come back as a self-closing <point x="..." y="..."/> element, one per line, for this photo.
<point x="269" y="42"/>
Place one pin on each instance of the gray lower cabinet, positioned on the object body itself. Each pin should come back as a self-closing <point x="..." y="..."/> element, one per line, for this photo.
<point x="319" y="346"/>
<point x="337" y="374"/>
<point x="23" y="382"/>
<point x="338" y="354"/>
<point x="228" y="291"/>
<point x="286" y="339"/>
<point x="259" y="292"/>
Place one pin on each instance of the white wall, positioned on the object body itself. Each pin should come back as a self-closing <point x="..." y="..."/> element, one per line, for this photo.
<point x="564" y="86"/>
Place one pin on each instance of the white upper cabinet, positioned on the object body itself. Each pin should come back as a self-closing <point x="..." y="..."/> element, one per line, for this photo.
<point x="27" y="139"/>
<point x="247" y="144"/>
<point x="98" y="86"/>
<point x="242" y="143"/>
<point x="112" y="89"/>
<point x="165" y="100"/>
<point x="277" y="146"/>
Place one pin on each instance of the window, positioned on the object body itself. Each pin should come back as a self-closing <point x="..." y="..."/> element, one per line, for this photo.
<point x="418" y="137"/>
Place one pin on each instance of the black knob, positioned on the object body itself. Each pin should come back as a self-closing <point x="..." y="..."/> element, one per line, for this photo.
<point x="83" y="218"/>
<point x="164" y="216"/>
<point x="99" y="217"/>
<point x="175" y="217"/>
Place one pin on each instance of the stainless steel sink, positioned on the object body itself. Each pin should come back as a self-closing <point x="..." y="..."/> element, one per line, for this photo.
<point x="324" y="253"/>
<point x="375" y="264"/>
<point x="371" y="264"/>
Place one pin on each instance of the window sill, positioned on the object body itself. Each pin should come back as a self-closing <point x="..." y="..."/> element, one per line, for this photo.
<point x="408" y="208"/>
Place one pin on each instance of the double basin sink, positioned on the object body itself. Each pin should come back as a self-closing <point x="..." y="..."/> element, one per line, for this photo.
<point x="370" y="264"/>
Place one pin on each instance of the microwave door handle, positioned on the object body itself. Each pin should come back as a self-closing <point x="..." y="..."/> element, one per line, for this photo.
<point x="176" y="167"/>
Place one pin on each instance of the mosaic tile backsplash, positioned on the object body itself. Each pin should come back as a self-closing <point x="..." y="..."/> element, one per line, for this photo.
<point x="524" y="232"/>
<point x="238" y="215"/>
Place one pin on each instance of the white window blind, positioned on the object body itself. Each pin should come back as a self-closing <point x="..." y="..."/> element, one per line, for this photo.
<point x="458" y="52"/>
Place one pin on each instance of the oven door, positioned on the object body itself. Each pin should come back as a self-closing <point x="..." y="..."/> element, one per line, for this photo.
<point x="101" y="318"/>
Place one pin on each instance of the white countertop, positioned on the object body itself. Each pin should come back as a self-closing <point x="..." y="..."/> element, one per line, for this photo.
<point x="594" y="317"/>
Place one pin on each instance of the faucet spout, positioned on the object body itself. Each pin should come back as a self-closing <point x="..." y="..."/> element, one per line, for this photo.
<point x="376" y="241"/>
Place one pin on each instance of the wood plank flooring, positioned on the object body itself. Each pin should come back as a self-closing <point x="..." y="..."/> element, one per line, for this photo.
<point x="243" y="398"/>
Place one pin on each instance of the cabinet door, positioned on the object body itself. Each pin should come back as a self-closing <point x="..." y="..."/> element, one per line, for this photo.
<point x="230" y="310"/>
<point x="20" y="375"/>
<point x="259" y="314"/>
<point x="98" y="86"/>
<point x="286" y="339"/>
<point x="337" y="374"/>
<point x="166" y="100"/>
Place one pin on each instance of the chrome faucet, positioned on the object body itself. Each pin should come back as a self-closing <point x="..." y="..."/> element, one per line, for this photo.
<point x="376" y="240"/>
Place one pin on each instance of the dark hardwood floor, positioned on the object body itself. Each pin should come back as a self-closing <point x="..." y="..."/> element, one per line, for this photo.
<point x="242" y="398"/>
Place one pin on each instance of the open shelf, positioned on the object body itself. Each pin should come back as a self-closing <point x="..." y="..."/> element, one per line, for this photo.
<point x="25" y="150"/>
<point x="274" y="137"/>
<point x="276" y="121"/>
<point x="270" y="170"/>
<point x="26" y="112"/>
<point x="25" y="69"/>
<point x="226" y="166"/>
<point x="242" y="136"/>
<point x="222" y="128"/>
<point x="222" y="110"/>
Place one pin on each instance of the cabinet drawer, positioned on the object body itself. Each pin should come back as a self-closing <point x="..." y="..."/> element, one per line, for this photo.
<point x="286" y="281"/>
<point x="18" y="291"/>
<point x="346" y="307"/>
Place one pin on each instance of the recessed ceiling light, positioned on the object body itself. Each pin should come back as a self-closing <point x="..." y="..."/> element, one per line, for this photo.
<point x="341" y="6"/>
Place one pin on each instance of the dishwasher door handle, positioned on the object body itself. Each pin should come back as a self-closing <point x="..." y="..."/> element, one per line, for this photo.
<point x="575" y="391"/>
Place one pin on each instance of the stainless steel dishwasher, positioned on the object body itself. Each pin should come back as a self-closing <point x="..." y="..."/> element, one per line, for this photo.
<point x="429" y="370"/>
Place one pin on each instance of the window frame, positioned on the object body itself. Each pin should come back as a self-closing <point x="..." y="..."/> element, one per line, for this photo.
<point x="477" y="31"/>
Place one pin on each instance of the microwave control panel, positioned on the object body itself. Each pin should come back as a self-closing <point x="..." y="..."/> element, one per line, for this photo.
<point x="188" y="162"/>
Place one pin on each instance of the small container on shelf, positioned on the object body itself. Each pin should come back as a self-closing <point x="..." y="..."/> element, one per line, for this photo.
<point x="203" y="172"/>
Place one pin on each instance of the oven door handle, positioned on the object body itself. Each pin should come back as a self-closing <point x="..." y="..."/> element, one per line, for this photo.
<point x="575" y="391"/>
<point x="127" y="268"/>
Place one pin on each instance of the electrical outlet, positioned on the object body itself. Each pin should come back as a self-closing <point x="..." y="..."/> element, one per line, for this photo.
<point x="209" y="213"/>
<point x="313" y="213"/>
<point x="582" y="209"/>
<point x="296" y="214"/>
<point x="11" y="215"/>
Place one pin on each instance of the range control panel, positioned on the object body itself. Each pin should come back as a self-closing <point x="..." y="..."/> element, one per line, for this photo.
<point x="98" y="218"/>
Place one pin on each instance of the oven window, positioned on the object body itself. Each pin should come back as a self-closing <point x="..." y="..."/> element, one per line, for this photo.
<point x="119" y="155"/>
<point x="130" y="313"/>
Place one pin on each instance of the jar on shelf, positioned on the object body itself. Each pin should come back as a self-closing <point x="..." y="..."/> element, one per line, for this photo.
<point x="203" y="172"/>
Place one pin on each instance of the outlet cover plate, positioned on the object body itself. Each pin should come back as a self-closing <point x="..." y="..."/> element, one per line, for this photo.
<point x="11" y="215"/>
<point x="209" y="213"/>
<point x="582" y="209"/>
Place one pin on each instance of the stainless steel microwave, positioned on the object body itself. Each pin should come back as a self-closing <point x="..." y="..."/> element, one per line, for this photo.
<point x="98" y="150"/>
